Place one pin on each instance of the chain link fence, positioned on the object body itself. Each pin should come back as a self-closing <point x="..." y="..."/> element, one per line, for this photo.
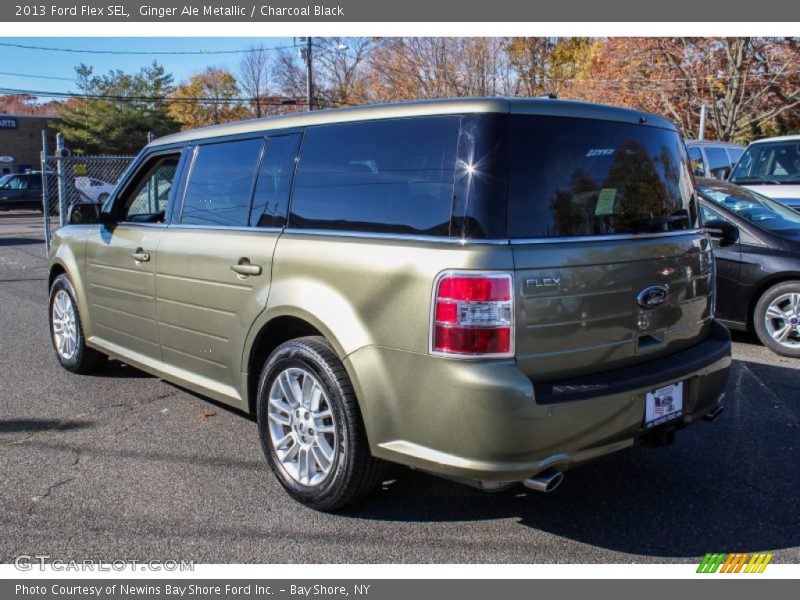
<point x="68" y="180"/>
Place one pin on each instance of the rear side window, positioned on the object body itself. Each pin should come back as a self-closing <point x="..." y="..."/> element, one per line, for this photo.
<point x="382" y="176"/>
<point x="717" y="157"/>
<point x="220" y="184"/>
<point x="582" y="177"/>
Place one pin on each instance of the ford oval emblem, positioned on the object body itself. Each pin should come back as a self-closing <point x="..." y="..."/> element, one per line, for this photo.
<point x="652" y="296"/>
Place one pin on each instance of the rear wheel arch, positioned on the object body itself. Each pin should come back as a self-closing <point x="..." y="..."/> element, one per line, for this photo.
<point x="270" y="335"/>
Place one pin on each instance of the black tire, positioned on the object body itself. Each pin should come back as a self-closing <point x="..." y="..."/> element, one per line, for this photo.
<point x="354" y="471"/>
<point x="83" y="359"/>
<point x="759" y="318"/>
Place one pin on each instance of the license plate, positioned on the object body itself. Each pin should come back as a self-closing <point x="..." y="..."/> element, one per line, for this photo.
<point x="663" y="404"/>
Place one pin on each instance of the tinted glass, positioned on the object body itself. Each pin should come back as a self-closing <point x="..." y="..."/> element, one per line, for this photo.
<point x="220" y="184"/>
<point x="274" y="182"/>
<point x="150" y="195"/>
<point x="753" y="207"/>
<point x="769" y="162"/>
<point x="579" y="177"/>
<point x="388" y="176"/>
<point x="717" y="157"/>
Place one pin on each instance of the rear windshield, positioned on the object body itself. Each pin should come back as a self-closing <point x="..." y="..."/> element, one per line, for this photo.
<point x="583" y="177"/>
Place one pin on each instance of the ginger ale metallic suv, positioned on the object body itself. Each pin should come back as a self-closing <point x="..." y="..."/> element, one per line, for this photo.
<point x="492" y="290"/>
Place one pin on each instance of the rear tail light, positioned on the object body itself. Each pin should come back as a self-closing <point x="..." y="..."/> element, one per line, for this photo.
<point x="473" y="315"/>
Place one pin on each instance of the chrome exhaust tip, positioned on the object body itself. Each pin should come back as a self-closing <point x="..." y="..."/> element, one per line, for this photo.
<point x="545" y="482"/>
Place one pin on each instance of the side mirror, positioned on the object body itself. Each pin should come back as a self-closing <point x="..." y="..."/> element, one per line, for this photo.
<point x="84" y="214"/>
<point x="725" y="232"/>
<point x="88" y="214"/>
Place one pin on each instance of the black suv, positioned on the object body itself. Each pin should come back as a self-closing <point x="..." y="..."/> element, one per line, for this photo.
<point x="21" y="190"/>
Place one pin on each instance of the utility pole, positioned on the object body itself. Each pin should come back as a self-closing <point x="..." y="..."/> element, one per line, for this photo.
<point x="309" y="81"/>
<point x="702" y="133"/>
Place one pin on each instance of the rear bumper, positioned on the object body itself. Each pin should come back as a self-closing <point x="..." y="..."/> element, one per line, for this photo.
<point x="488" y="421"/>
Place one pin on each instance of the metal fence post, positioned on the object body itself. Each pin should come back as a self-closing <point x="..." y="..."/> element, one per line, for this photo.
<point x="62" y="182"/>
<point x="45" y="195"/>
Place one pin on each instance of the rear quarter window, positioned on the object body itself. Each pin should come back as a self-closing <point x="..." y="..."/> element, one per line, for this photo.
<point x="391" y="176"/>
<point x="584" y="177"/>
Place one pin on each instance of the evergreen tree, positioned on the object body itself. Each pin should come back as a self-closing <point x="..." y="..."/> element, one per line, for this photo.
<point x="116" y="111"/>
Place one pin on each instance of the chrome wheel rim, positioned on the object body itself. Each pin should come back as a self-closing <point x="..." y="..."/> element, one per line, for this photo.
<point x="65" y="326"/>
<point x="782" y="320"/>
<point x="302" y="428"/>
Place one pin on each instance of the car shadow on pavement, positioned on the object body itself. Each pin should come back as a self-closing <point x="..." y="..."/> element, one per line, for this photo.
<point x="19" y="241"/>
<point x="115" y="369"/>
<point x="36" y="425"/>
<point x="727" y="486"/>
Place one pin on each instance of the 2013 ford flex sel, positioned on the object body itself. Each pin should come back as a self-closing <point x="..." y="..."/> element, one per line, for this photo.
<point x="492" y="290"/>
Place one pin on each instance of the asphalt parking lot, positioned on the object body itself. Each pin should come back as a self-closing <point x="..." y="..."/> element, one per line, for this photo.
<point x="121" y="465"/>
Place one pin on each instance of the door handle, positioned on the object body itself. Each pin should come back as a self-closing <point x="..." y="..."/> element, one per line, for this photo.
<point x="245" y="269"/>
<point x="140" y="256"/>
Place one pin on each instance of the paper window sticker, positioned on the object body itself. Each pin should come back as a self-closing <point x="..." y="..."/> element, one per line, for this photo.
<point x="605" y="202"/>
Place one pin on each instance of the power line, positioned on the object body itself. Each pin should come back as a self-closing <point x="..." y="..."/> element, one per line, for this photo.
<point x="280" y="101"/>
<point x="146" y="52"/>
<point x="37" y="76"/>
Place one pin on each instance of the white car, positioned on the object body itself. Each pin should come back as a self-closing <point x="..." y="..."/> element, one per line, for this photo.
<point x="771" y="167"/>
<point x="93" y="190"/>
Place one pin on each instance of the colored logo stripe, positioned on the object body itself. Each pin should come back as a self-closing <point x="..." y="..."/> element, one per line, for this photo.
<point x="711" y="563"/>
<point x="734" y="563"/>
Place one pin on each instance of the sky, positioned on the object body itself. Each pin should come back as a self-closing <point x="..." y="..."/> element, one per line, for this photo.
<point x="54" y="71"/>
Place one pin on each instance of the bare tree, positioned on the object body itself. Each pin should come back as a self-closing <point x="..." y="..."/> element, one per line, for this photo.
<point x="254" y="72"/>
<point x="339" y="69"/>
<point x="752" y="85"/>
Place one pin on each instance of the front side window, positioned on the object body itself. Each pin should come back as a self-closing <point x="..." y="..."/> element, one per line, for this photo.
<point x="18" y="183"/>
<point x="220" y="183"/>
<point x="770" y="163"/>
<point x="384" y="176"/>
<point x="147" y="200"/>
<point x="582" y="177"/>
<point x="710" y="215"/>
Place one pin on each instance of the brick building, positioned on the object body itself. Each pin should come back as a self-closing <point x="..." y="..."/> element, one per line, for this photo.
<point x="21" y="141"/>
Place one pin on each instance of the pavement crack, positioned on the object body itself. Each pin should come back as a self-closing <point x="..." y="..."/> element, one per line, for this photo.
<point x="36" y="500"/>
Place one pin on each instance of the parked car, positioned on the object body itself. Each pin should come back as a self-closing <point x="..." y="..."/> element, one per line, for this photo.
<point x="771" y="167"/>
<point x="93" y="190"/>
<point x="21" y="191"/>
<point x="758" y="263"/>
<point x="713" y="159"/>
<point x="493" y="290"/>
